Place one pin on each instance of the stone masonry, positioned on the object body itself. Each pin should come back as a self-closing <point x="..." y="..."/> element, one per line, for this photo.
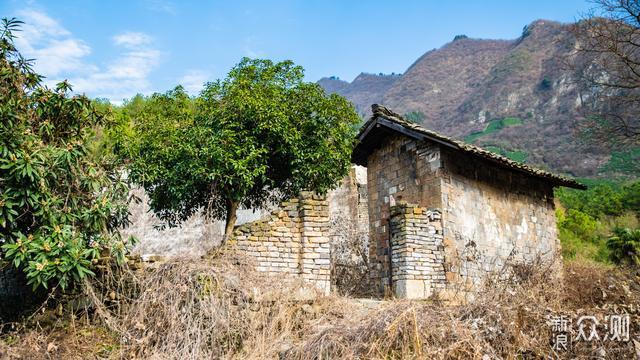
<point x="293" y="241"/>
<point x="473" y="213"/>
<point x="417" y="253"/>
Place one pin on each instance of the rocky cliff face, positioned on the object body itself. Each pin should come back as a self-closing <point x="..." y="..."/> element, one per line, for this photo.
<point x="516" y="97"/>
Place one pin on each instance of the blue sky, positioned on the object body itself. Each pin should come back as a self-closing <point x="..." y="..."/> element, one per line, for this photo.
<point x="115" y="49"/>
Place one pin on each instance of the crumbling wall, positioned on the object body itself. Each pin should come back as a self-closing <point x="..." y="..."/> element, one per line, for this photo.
<point x="193" y="238"/>
<point x="402" y="169"/>
<point x="293" y="240"/>
<point x="349" y="234"/>
<point x="417" y="252"/>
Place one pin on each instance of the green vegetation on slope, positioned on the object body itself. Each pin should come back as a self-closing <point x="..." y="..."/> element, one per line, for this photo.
<point x="492" y="127"/>
<point x="623" y="162"/>
<point x="588" y="219"/>
<point x="516" y="155"/>
<point x="415" y="116"/>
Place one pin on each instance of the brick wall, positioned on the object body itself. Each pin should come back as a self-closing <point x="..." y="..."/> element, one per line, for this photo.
<point x="292" y="241"/>
<point x="417" y="252"/>
<point x="401" y="170"/>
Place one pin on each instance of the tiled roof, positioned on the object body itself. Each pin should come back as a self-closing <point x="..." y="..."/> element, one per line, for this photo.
<point x="397" y="123"/>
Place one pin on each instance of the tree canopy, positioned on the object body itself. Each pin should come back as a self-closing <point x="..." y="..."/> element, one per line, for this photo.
<point x="260" y="135"/>
<point x="59" y="206"/>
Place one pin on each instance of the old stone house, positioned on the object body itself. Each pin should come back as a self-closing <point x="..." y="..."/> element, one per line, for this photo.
<point x="443" y="214"/>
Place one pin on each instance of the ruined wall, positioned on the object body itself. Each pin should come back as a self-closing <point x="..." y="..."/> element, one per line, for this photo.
<point x="493" y="216"/>
<point x="401" y="170"/>
<point x="293" y="240"/>
<point x="349" y="234"/>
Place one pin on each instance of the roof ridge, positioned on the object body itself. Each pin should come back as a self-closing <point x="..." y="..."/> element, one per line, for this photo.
<point x="382" y="111"/>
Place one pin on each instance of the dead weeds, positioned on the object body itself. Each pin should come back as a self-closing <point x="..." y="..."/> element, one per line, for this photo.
<point x="221" y="308"/>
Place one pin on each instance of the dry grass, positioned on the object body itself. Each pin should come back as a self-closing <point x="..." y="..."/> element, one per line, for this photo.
<point x="222" y="309"/>
<point x="507" y="320"/>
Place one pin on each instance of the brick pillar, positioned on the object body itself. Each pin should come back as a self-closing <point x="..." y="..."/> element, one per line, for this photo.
<point x="417" y="253"/>
<point x="314" y="231"/>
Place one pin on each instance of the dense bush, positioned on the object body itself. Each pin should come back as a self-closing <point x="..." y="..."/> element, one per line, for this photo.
<point x="58" y="204"/>
<point x="625" y="246"/>
<point x="597" y="224"/>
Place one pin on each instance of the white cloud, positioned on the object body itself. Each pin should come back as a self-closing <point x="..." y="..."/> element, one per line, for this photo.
<point x="132" y="39"/>
<point x="44" y="39"/>
<point x="194" y="80"/>
<point x="124" y="76"/>
<point x="59" y="55"/>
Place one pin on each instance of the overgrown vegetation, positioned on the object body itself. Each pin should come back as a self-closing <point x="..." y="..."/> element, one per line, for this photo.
<point x="59" y="206"/>
<point x="220" y="308"/>
<point x="587" y="220"/>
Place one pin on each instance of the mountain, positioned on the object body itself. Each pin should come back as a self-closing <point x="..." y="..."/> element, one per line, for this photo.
<point x="515" y="97"/>
<point x="364" y="90"/>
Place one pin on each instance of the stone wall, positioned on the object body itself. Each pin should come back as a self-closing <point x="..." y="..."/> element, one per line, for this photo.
<point x="292" y="241"/>
<point x="192" y="239"/>
<point x="493" y="217"/>
<point x="401" y="170"/>
<point x="417" y="252"/>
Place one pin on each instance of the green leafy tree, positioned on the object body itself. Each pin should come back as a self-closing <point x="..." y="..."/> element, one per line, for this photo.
<point x="624" y="245"/>
<point x="59" y="206"/>
<point x="260" y="135"/>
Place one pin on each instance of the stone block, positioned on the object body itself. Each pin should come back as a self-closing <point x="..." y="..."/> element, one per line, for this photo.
<point x="411" y="289"/>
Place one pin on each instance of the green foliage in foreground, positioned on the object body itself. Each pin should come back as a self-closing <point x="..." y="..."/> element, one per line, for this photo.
<point x="259" y="135"/>
<point x="58" y="205"/>
<point x="492" y="127"/>
<point x="589" y="220"/>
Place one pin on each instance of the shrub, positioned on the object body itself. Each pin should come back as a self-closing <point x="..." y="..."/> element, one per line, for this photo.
<point x="58" y="205"/>
<point x="545" y="84"/>
<point x="625" y="246"/>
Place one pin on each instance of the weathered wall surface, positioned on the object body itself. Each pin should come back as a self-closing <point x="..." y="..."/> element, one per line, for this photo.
<point x="490" y="216"/>
<point x="493" y="216"/>
<point x="193" y="238"/>
<point x="401" y="170"/>
<point x="293" y="241"/>
<point x="349" y="233"/>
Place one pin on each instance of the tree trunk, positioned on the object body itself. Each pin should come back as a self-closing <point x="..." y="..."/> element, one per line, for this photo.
<point x="232" y="207"/>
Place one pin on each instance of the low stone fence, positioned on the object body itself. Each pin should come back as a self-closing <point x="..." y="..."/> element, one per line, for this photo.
<point x="293" y="240"/>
